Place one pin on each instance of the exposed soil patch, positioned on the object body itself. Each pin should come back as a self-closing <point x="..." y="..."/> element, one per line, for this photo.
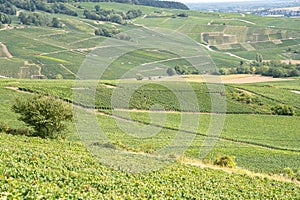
<point x="295" y="91"/>
<point x="4" y="51"/>
<point x="235" y="79"/>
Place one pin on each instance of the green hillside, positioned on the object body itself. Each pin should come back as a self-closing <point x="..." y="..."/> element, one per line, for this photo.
<point x="72" y="172"/>
<point x="43" y="51"/>
<point x="156" y="114"/>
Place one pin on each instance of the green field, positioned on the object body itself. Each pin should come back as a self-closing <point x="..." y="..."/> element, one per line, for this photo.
<point x="256" y="137"/>
<point x="36" y="168"/>
<point x="242" y="36"/>
<point x="159" y="137"/>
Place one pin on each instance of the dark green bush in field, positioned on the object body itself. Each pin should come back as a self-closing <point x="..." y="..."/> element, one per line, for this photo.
<point x="14" y="131"/>
<point x="225" y="161"/>
<point x="283" y="110"/>
<point x="288" y="172"/>
<point x="46" y="115"/>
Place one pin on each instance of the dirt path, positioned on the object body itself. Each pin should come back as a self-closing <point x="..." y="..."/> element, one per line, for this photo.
<point x="233" y="55"/>
<point x="69" y="71"/>
<point x="200" y="164"/>
<point x="171" y="59"/>
<point x="4" y="51"/>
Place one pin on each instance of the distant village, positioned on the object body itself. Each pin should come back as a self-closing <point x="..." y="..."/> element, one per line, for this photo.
<point x="279" y="12"/>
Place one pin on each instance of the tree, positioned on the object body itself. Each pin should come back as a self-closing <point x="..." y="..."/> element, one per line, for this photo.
<point x="258" y="58"/>
<point x="46" y="115"/>
<point x="139" y="77"/>
<point x="171" y="71"/>
<point x="56" y="23"/>
<point x="97" y="8"/>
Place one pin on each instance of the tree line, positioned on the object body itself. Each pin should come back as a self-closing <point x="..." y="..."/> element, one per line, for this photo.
<point x="111" y="15"/>
<point x="10" y="7"/>
<point x="276" y="69"/>
<point x="39" y="20"/>
<point x="153" y="3"/>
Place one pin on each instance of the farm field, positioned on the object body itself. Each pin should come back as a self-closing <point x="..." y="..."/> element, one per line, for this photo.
<point x="77" y="171"/>
<point x="256" y="137"/>
<point x="74" y="173"/>
<point x="229" y="39"/>
<point x="152" y="117"/>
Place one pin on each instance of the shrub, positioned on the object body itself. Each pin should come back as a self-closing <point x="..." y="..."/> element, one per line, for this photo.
<point x="225" y="161"/>
<point x="288" y="172"/>
<point x="14" y="131"/>
<point x="46" y="115"/>
<point x="298" y="175"/>
<point x="171" y="71"/>
<point x="283" y="110"/>
<point x="139" y="77"/>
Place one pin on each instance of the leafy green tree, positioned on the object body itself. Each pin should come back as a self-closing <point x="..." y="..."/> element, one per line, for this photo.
<point x="56" y="23"/>
<point x="139" y="77"/>
<point x="97" y="8"/>
<point x="46" y="115"/>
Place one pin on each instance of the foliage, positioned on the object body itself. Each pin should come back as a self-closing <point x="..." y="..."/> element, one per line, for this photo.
<point x="139" y="77"/>
<point x="163" y="4"/>
<point x="45" y="114"/>
<point x="14" y="131"/>
<point x="276" y="69"/>
<point x="4" y="19"/>
<point x="283" y="110"/>
<point x="7" y="8"/>
<point x="182" y="15"/>
<point x="225" y="161"/>
<point x="33" y="168"/>
<point x="39" y="20"/>
<point x="107" y="32"/>
<point x="184" y="70"/>
<point x="111" y="15"/>
<point x="171" y="71"/>
<point x="288" y="172"/>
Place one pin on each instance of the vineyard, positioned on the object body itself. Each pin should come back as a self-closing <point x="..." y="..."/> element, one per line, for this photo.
<point x="258" y="137"/>
<point x="153" y="118"/>
<point x="36" y="168"/>
<point x="229" y="37"/>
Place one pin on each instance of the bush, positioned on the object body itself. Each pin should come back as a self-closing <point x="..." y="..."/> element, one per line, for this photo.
<point x="225" y="161"/>
<point x="288" y="172"/>
<point x="171" y="71"/>
<point x="46" y="115"/>
<point x="298" y="175"/>
<point x="139" y="77"/>
<point x="14" y="131"/>
<point x="283" y="110"/>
